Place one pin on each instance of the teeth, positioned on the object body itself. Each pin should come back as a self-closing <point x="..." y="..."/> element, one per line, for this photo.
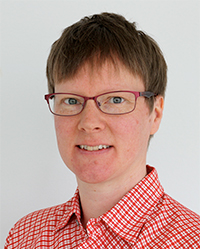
<point x="92" y="148"/>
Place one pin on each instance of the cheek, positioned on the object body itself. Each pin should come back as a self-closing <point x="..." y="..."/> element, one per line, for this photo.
<point x="59" y="132"/>
<point x="64" y="133"/>
<point x="65" y="139"/>
<point x="62" y="126"/>
<point x="133" y="132"/>
<point x="127" y="131"/>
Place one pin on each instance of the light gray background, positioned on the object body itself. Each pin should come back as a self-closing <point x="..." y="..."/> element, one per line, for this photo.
<point x="32" y="174"/>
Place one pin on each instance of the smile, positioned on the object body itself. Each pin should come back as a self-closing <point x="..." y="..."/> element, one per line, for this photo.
<point x="93" y="148"/>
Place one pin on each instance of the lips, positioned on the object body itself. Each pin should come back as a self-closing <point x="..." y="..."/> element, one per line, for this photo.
<point x="93" y="148"/>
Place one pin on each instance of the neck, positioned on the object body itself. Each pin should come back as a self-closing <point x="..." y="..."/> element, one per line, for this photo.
<point x="97" y="199"/>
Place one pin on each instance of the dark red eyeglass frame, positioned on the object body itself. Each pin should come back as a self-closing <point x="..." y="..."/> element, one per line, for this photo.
<point x="146" y="94"/>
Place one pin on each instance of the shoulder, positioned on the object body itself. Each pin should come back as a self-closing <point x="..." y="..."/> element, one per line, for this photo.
<point x="31" y="225"/>
<point x="40" y="217"/>
<point x="178" y="226"/>
<point x="180" y="213"/>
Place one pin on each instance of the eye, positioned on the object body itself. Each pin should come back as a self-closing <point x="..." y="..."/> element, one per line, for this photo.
<point x="116" y="100"/>
<point x="71" y="101"/>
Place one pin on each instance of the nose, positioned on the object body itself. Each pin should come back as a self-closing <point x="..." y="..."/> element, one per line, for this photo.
<point x="91" y="118"/>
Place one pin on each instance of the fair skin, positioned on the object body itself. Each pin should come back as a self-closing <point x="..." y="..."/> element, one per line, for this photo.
<point x="106" y="175"/>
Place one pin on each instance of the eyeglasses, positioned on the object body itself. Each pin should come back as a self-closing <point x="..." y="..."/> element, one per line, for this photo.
<point x="114" y="103"/>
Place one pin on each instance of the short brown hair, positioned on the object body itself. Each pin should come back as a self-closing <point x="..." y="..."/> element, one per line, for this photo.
<point x="107" y="36"/>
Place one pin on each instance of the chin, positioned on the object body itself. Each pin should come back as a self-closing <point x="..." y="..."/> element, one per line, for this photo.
<point x="92" y="178"/>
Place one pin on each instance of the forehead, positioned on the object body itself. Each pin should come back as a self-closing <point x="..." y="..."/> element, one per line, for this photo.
<point x="94" y="71"/>
<point x="91" y="81"/>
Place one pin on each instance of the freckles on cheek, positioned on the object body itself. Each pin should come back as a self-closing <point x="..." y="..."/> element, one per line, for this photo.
<point x="62" y="127"/>
<point x="57" y="125"/>
<point x="128" y="131"/>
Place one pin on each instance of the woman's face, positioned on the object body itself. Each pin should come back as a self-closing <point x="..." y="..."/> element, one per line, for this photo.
<point x="126" y="135"/>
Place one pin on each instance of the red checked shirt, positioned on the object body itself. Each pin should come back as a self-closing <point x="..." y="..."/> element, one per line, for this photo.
<point x="145" y="217"/>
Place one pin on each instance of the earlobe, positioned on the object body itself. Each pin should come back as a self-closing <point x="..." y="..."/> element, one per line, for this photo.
<point x="157" y="113"/>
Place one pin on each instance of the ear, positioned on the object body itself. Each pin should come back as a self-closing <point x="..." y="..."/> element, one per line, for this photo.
<point x="157" y="113"/>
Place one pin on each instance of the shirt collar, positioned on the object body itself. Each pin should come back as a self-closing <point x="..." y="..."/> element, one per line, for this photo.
<point x="130" y="214"/>
<point x="72" y="207"/>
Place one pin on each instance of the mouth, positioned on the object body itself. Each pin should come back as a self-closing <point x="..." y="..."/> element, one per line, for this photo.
<point x="93" y="148"/>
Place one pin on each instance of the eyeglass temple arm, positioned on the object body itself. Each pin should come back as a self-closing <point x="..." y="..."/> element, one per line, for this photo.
<point x="148" y="94"/>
